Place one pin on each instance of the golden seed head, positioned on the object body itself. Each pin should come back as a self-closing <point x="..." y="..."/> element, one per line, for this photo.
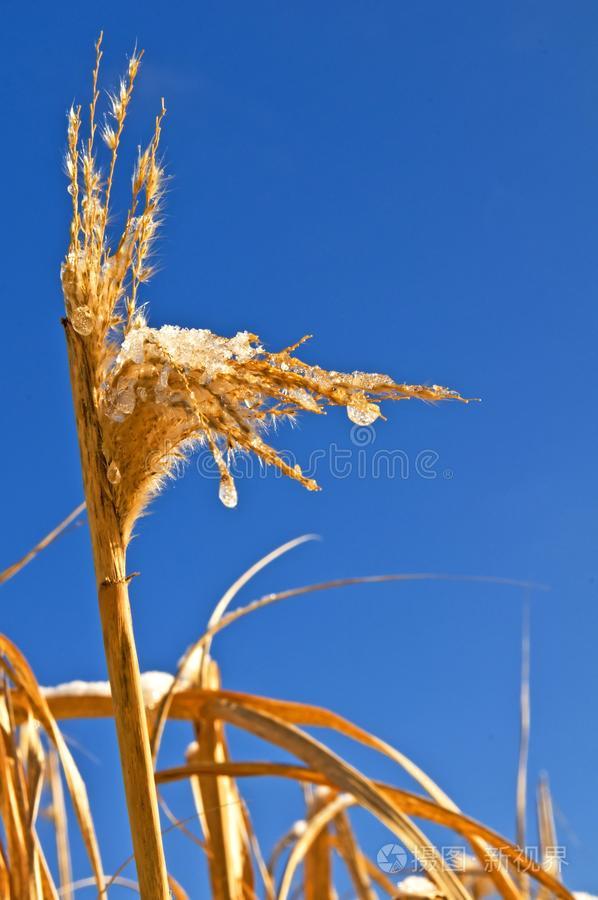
<point x="109" y="136"/>
<point x="162" y="392"/>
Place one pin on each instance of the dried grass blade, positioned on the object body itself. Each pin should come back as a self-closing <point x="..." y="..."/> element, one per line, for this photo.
<point x="318" y="876"/>
<point x="30" y="749"/>
<point x="60" y="825"/>
<point x="179" y="824"/>
<point x="219" y="621"/>
<point x="342" y="776"/>
<point x="304" y="714"/>
<point x="412" y="804"/>
<point x="5" y="884"/>
<point x="222" y="813"/>
<point x="12" y="570"/>
<point x="201" y="648"/>
<point x="257" y="854"/>
<point x="188" y="704"/>
<point x="19" y="670"/>
<point x="379" y="877"/>
<point x="48" y="888"/>
<point x="317" y="859"/>
<point x="176" y="890"/>
<point x="353" y="858"/>
<point x="15" y="828"/>
<point x="547" y="833"/>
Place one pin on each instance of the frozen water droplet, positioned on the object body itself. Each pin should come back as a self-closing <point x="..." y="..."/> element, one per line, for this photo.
<point x="135" y="341"/>
<point x="304" y="399"/>
<point x="363" y="415"/>
<point x="82" y="320"/>
<point x="161" y="391"/>
<point x="228" y="492"/>
<point x="114" y="475"/>
<point x="124" y="403"/>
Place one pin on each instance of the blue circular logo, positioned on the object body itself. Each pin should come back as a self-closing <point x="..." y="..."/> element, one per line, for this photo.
<point x="391" y="858"/>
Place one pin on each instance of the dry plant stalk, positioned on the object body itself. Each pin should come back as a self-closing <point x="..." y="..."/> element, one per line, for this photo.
<point x="220" y="811"/>
<point x="24" y="871"/>
<point x="144" y="397"/>
<point x="81" y="277"/>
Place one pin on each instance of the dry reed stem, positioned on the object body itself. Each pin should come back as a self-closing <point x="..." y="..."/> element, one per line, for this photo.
<point x="219" y="804"/>
<point x="143" y="397"/>
<point x="117" y="629"/>
<point x="81" y="278"/>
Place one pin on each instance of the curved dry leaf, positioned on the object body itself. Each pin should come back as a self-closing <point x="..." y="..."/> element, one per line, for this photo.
<point x="412" y="804"/>
<point x="344" y="777"/>
<point x="189" y="704"/>
<point x="350" y="853"/>
<point x="20" y="671"/>
<point x="316" y="824"/>
<point x="201" y="648"/>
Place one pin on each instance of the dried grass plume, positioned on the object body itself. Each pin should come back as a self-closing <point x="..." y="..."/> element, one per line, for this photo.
<point x="159" y="392"/>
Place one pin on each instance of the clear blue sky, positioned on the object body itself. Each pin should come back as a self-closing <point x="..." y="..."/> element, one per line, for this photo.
<point x="416" y="184"/>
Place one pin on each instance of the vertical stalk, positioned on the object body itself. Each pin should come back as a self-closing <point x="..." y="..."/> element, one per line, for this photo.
<point x="109" y="555"/>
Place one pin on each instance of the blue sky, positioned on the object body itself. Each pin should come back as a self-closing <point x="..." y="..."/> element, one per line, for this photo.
<point x="416" y="184"/>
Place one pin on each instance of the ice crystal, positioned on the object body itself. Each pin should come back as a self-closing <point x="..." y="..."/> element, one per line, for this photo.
<point x="114" y="475"/>
<point x="82" y="320"/>
<point x="363" y="413"/>
<point x="153" y="684"/>
<point x="189" y="348"/>
<point x="227" y="492"/>
<point x="417" y="886"/>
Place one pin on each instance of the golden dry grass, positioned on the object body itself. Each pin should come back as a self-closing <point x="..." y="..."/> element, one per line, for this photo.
<point x="159" y="392"/>
<point x="332" y="786"/>
<point x="143" y="398"/>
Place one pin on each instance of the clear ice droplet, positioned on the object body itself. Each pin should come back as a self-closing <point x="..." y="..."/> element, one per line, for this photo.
<point x="228" y="492"/>
<point x="124" y="403"/>
<point x="82" y="320"/>
<point x="363" y="415"/>
<point x="114" y="475"/>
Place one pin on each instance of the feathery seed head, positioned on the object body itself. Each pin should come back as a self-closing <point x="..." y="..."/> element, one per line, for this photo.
<point x="109" y="136"/>
<point x="160" y="392"/>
